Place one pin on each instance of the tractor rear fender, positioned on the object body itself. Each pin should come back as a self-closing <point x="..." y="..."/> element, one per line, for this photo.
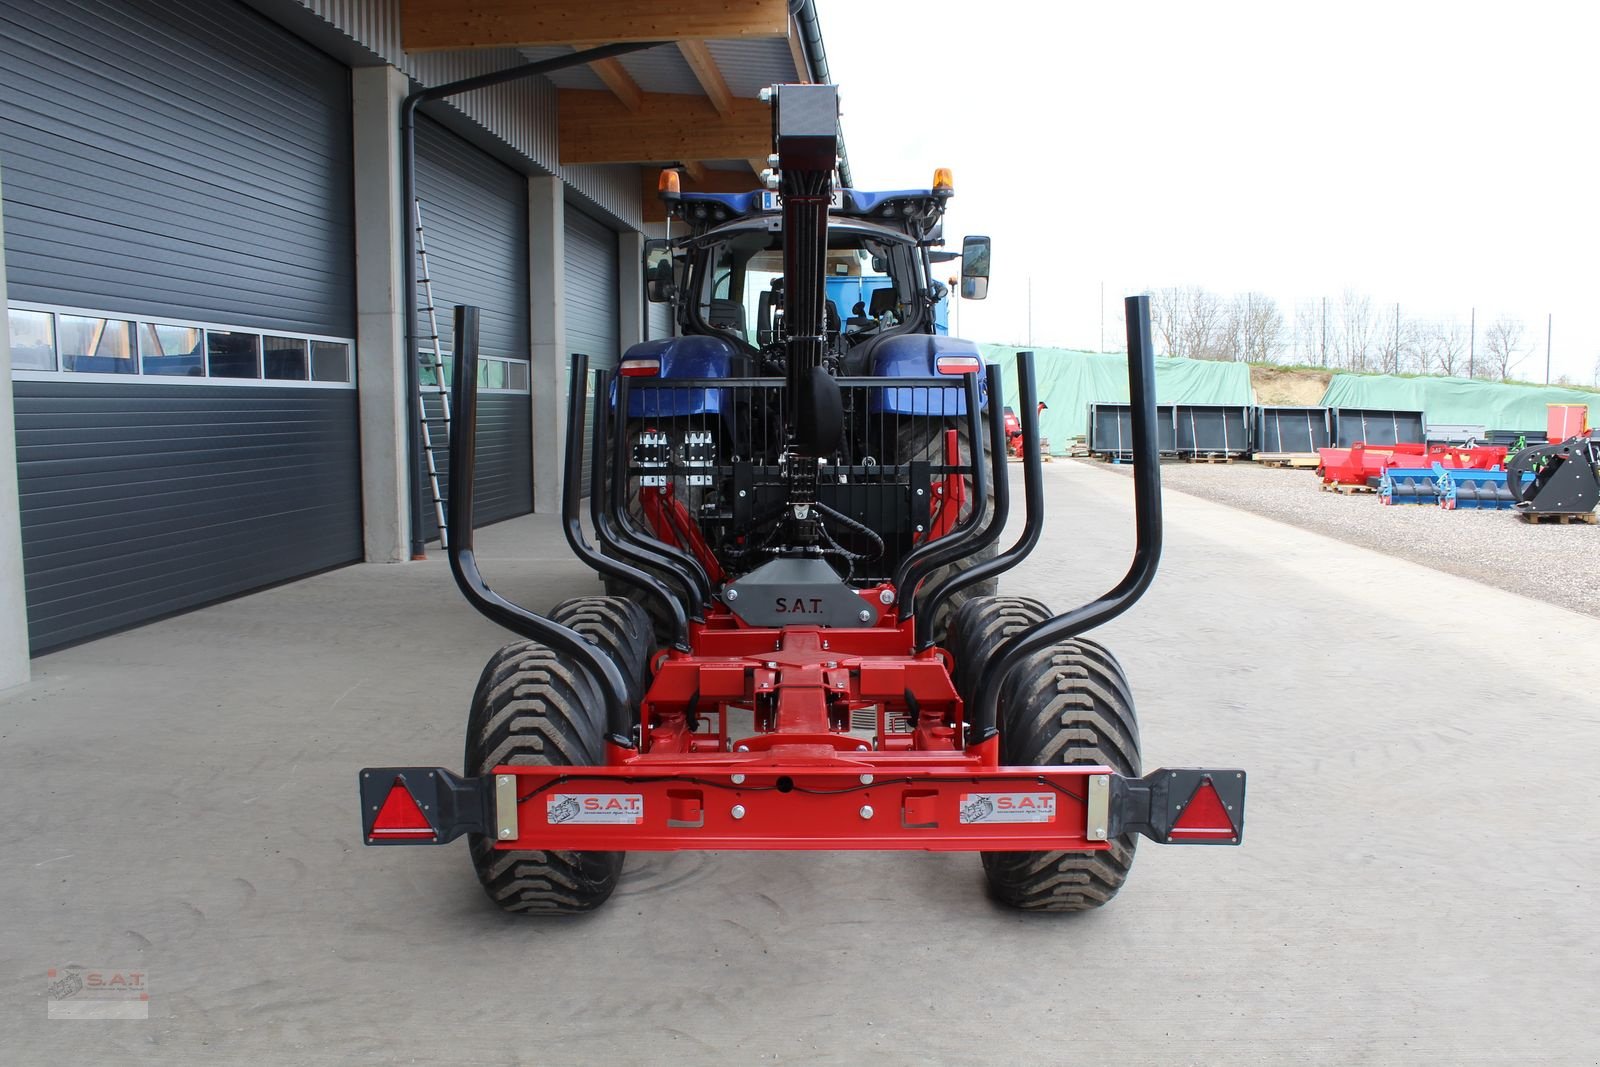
<point x="917" y="355"/>
<point x="694" y="356"/>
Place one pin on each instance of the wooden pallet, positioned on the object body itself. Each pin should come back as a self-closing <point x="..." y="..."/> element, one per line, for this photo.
<point x="1563" y="519"/>
<point x="1308" y="460"/>
<point x="1346" y="490"/>
<point x="1210" y="457"/>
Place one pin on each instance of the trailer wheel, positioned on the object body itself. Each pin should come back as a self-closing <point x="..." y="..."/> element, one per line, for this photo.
<point x="533" y="709"/>
<point x="1069" y="704"/>
<point x="923" y="439"/>
<point x="620" y="626"/>
<point x="981" y="625"/>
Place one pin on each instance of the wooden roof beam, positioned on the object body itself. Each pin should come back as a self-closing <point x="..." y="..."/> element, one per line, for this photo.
<point x="709" y="75"/>
<point x="596" y="127"/>
<point x="619" y="81"/>
<point x="435" y="25"/>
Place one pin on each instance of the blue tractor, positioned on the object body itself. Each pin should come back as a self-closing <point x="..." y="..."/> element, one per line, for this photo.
<point x="883" y="321"/>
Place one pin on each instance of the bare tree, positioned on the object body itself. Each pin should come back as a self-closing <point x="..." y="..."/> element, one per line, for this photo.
<point x="1167" y="308"/>
<point x="1445" y="349"/>
<point x="1503" y="347"/>
<point x="1389" y="345"/>
<point x="1595" y="379"/>
<point x="1354" y="329"/>
<point x="1309" y="334"/>
<point x="1204" y="320"/>
<point x="1254" y="328"/>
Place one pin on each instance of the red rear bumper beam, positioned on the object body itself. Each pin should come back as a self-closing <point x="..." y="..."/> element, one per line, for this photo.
<point x="763" y="806"/>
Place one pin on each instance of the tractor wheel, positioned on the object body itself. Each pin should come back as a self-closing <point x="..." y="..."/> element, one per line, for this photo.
<point x="1069" y="704"/>
<point x="531" y="708"/>
<point x="923" y="439"/>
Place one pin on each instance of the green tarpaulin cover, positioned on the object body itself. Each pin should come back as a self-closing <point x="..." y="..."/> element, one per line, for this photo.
<point x="1070" y="381"/>
<point x="1459" y="401"/>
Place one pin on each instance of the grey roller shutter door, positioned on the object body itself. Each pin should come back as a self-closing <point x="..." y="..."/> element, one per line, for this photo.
<point x="139" y="501"/>
<point x="180" y="157"/>
<point x="659" y="321"/>
<point x="475" y="224"/>
<point x="185" y="159"/>
<point x="593" y="311"/>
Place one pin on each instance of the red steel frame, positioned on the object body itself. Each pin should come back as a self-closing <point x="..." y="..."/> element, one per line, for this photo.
<point x="801" y="781"/>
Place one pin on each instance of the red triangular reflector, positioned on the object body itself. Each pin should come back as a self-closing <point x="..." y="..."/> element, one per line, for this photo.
<point x="400" y="816"/>
<point x="1204" y="816"/>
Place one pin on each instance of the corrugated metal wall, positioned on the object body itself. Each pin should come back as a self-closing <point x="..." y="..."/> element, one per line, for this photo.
<point x="189" y="159"/>
<point x="143" y="500"/>
<point x="161" y="159"/>
<point x="475" y="222"/>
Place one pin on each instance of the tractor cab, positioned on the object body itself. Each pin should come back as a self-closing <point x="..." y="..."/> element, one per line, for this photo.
<point x="724" y="279"/>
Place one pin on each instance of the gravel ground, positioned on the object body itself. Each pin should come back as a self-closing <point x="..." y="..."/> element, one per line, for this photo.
<point x="1555" y="563"/>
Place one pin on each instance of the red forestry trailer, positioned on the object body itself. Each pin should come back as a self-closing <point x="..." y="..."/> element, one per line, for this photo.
<point x="803" y="533"/>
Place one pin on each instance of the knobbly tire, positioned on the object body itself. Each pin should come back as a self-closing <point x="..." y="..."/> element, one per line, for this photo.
<point x="532" y="708"/>
<point x="1069" y="704"/>
<point x="923" y="439"/>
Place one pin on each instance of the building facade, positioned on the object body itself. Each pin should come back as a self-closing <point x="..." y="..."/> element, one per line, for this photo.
<point x="204" y="243"/>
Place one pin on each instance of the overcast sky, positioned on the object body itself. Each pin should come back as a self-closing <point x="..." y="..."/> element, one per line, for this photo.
<point x="1442" y="156"/>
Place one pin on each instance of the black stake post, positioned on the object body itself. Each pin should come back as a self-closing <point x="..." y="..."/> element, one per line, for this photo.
<point x="1147" y="527"/>
<point x="601" y="669"/>
<point x="408" y="201"/>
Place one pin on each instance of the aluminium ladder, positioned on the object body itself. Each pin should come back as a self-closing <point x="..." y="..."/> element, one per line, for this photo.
<point x="432" y="359"/>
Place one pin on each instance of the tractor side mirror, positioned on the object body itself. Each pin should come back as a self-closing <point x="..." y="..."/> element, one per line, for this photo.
<point x="974" y="268"/>
<point x="658" y="276"/>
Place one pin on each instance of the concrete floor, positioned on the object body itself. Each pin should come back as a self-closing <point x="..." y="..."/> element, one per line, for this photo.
<point x="1418" y="884"/>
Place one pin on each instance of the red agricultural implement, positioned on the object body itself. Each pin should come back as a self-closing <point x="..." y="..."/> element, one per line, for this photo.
<point x="1360" y="465"/>
<point x="831" y="682"/>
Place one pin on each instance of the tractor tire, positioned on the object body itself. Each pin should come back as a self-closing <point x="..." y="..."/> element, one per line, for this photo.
<point x="922" y="438"/>
<point x="1069" y="704"/>
<point x="532" y="709"/>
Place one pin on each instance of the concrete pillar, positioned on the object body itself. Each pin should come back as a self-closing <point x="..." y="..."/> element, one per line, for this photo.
<point x="380" y="314"/>
<point x="547" y="374"/>
<point x="630" y="275"/>
<point x="13" y="602"/>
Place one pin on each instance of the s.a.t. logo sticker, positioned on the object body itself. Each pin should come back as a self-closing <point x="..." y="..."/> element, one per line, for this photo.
<point x="1008" y="807"/>
<point x="594" y="808"/>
